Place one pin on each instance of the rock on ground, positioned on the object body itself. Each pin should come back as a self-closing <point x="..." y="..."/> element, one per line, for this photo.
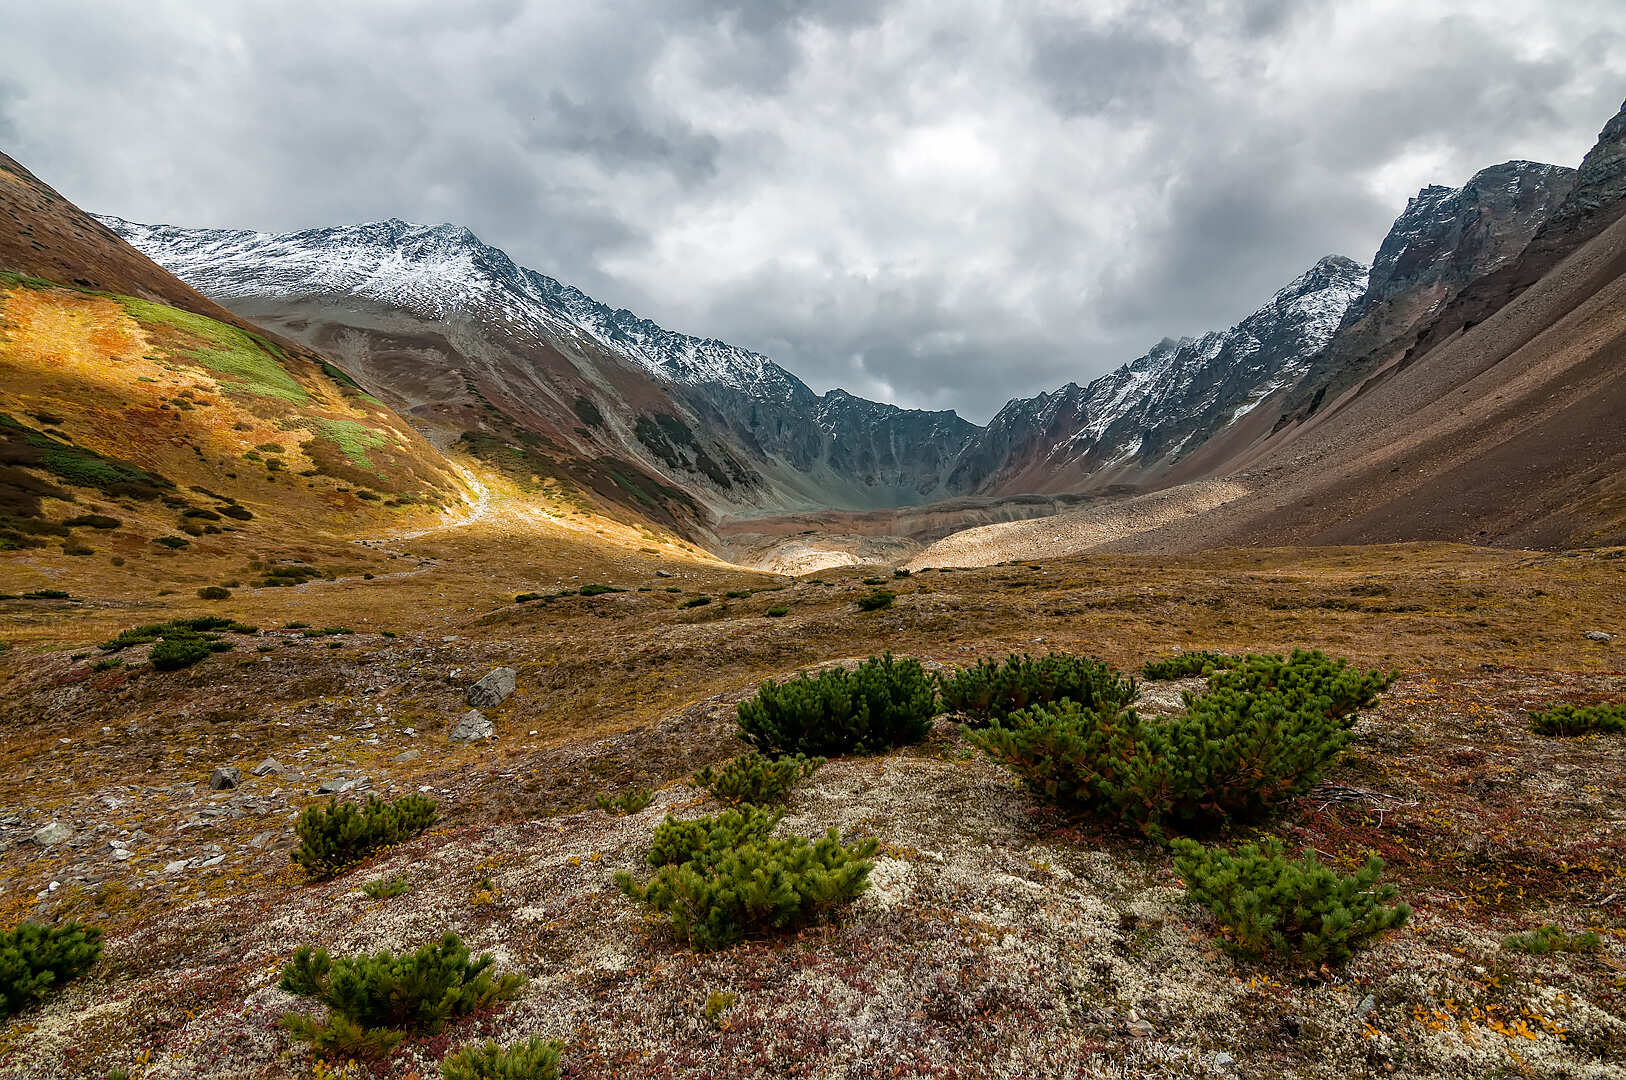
<point x="494" y="689"/>
<point x="474" y="725"/>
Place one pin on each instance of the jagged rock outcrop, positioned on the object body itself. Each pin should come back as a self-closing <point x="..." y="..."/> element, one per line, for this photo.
<point x="1444" y="241"/>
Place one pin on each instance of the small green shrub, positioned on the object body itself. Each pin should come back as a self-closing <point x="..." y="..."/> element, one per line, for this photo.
<point x="873" y="581"/>
<point x="900" y="572"/>
<point x="175" y="653"/>
<point x="1185" y="665"/>
<point x="884" y="703"/>
<point x="777" y="612"/>
<point x="373" y="1000"/>
<point x="629" y="801"/>
<point x="333" y="837"/>
<point x="1579" y="719"/>
<point x="1294" y="908"/>
<point x="1262" y="732"/>
<point x="718" y="1002"/>
<point x="534" y="1059"/>
<point x="36" y="960"/>
<point x="47" y="594"/>
<point x="386" y="888"/>
<point x="214" y="592"/>
<point x="598" y="590"/>
<point x="695" y="601"/>
<point x="93" y="521"/>
<point x="1550" y="939"/>
<point x="527" y="597"/>
<point x="718" y="879"/>
<point x="991" y="691"/>
<point x="754" y="779"/>
<point x="174" y="543"/>
<point x="876" y="600"/>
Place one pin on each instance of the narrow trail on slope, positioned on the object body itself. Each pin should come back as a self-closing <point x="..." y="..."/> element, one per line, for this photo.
<point x="479" y="510"/>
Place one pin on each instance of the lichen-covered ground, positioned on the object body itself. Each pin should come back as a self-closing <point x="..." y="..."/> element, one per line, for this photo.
<point x="998" y="938"/>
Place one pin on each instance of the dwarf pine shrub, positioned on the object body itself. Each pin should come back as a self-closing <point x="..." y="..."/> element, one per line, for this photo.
<point x="1185" y="665"/>
<point x="629" y="801"/>
<point x="36" y="960"/>
<point x="1579" y="719"/>
<point x="755" y="779"/>
<point x="992" y="690"/>
<point x="373" y="1000"/>
<point x="875" y="601"/>
<point x="333" y="837"/>
<point x="1550" y="939"/>
<point x="881" y="704"/>
<point x="718" y="879"/>
<point x="1262" y="732"/>
<point x="533" y="1059"/>
<point x="1293" y="908"/>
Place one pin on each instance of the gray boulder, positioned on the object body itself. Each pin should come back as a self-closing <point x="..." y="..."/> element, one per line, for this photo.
<point x="1599" y="635"/>
<point x="494" y="689"/>
<point x="224" y="779"/>
<point x="55" y="833"/>
<point x="269" y="765"/>
<point x="472" y="727"/>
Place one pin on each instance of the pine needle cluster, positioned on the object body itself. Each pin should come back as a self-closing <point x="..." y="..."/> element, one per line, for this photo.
<point x="373" y="1000"/>
<point x="333" y="837"/>
<point x="1579" y="719"/>
<point x="882" y="704"/>
<point x="1263" y="732"/>
<point x="533" y="1059"/>
<point x="719" y="879"/>
<point x="1293" y="908"/>
<point x="751" y="778"/>
<point x="991" y="691"/>
<point x="36" y="960"/>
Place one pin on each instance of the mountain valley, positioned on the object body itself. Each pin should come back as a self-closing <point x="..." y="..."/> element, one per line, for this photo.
<point x="307" y="536"/>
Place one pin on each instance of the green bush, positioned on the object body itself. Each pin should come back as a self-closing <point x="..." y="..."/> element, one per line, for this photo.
<point x="333" y="837"/>
<point x="754" y="779"/>
<point x="93" y="521"/>
<point x="534" y="1059"/>
<point x="629" y="801"/>
<point x="598" y="590"/>
<point x="175" y="653"/>
<point x="386" y="888"/>
<point x="1297" y="908"/>
<point x="991" y="691"/>
<point x="1579" y="719"/>
<point x="777" y="612"/>
<point x="875" y="601"/>
<point x="1262" y="732"/>
<point x="884" y="703"/>
<point x="1184" y="665"/>
<point x="174" y="543"/>
<point x="214" y="592"/>
<point x="695" y="601"/>
<point x="47" y="594"/>
<point x="718" y="879"/>
<point x="36" y="960"/>
<point x="1550" y="939"/>
<point x="373" y="1000"/>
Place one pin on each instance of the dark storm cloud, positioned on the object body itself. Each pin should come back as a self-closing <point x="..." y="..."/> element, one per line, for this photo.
<point x="939" y="202"/>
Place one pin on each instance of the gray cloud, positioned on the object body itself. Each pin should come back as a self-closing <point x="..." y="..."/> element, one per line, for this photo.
<point x="943" y="204"/>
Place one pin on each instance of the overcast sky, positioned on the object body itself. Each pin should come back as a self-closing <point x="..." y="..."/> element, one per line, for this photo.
<point x="940" y="203"/>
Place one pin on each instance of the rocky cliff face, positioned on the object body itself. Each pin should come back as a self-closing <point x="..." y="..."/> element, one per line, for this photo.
<point x="1445" y="240"/>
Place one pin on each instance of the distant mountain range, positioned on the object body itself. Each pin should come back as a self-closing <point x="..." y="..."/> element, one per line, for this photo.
<point x="554" y="388"/>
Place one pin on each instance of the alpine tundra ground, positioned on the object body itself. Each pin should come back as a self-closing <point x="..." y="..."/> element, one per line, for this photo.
<point x="998" y="937"/>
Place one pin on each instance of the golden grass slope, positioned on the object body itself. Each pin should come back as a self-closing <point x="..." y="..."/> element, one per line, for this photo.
<point x="200" y="403"/>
